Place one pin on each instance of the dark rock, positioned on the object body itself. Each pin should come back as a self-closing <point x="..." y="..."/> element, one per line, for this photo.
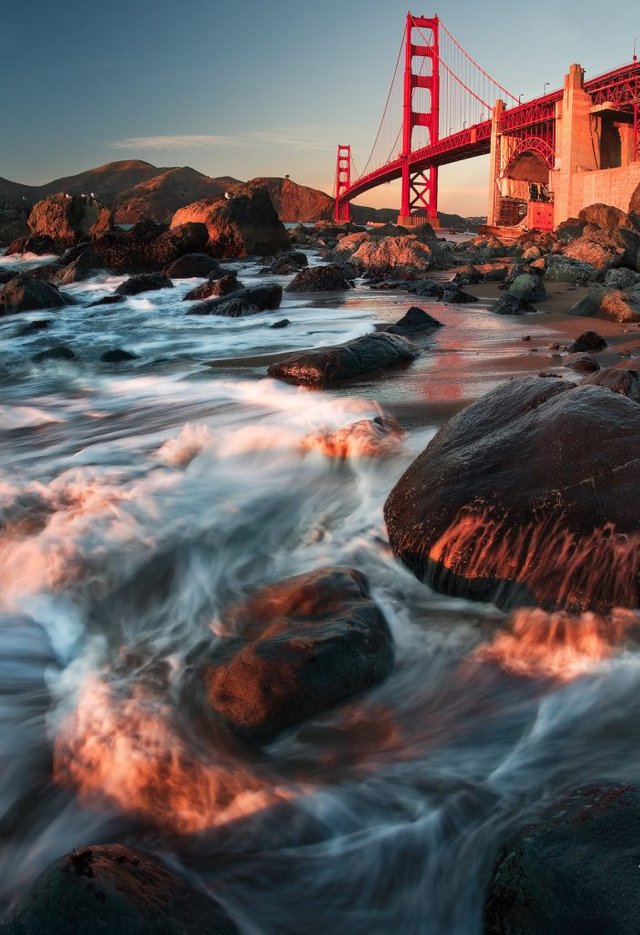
<point x="601" y="248"/>
<point x="458" y="297"/>
<point x="6" y="275"/>
<point x="509" y="304"/>
<point x="414" y="320"/>
<point x="193" y="265"/>
<point x="282" y="323"/>
<point x="610" y="304"/>
<point x="565" y="269"/>
<point x="582" y="363"/>
<point x="107" y="300"/>
<point x="574" y="870"/>
<point x="117" y="356"/>
<point x="570" y="229"/>
<point x="243" y="225"/>
<point x="602" y="215"/>
<point x="244" y="301"/>
<point x="39" y="246"/>
<point x="285" y="263"/>
<point x="621" y="278"/>
<point x="532" y="472"/>
<point x="112" y="888"/>
<point x="528" y="288"/>
<point x="78" y="269"/>
<point x="34" y="327"/>
<point x="215" y="287"/>
<point x="329" y="366"/>
<point x="426" y="287"/>
<point x="60" y="352"/>
<point x="23" y="294"/>
<point x="308" y="644"/>
<point x="145" y="282"/>
<point x="329" y="278"/>
<point x="148" y="246"/>
<point x="587" y="341"/>
<point x="467" y="276"/>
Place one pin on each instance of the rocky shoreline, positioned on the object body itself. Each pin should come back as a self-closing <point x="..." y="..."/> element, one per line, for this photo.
<point x="524" y="497"/>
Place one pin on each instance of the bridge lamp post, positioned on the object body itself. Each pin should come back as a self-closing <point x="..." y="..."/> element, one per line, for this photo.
<point x="635" y="39"/>
<point x="546" y="85"/>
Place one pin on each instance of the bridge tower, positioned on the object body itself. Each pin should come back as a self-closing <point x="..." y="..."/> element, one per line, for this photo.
<point x="343" y="181"/>
<point x="420" y="189"/>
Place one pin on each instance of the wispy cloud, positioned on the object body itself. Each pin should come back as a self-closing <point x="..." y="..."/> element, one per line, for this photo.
<point x="308" y="136"/>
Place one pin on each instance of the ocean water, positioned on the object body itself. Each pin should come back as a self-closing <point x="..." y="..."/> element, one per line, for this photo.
<point x="140" y="500"/>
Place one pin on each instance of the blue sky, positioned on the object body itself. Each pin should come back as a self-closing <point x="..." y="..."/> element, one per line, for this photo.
<point x="259" y="88"/>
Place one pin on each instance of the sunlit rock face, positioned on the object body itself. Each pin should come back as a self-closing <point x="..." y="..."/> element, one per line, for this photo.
<point x="69" y="218"/>
<point x="527" y="497"/>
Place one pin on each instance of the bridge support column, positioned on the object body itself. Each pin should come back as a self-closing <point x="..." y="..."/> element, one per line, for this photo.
<point x="342" y="213"/>
<point x="495" y="165"/>
<point x="576" y="143"/>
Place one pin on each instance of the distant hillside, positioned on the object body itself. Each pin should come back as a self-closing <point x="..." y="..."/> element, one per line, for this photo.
<point x="134" y="189"/>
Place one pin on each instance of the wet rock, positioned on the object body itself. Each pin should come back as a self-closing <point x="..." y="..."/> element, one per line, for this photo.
<point x="369" y="438"/>
<point x="66" y="219"/>
<point x="509" y="304"/>
<point x="413" y="321"/>
<point x="107" y="300"/>
<point x="626" y="382"/>
<point x="148" y="246"/>
<point x="493" y="272"/>
<point x="467" y="276"/>
<point x="426" y="287"/>
<point x="34" y="327"/>
<point x="243" y="301"/>
<point x="60" y="352"/>
<point x="117" y="356"/>
<point x="194" y="265"/>
<point x="6" y="275"/>
<point x="79" y="269"/>
<point x="610" y="304"/>
<point x="214" y="287"/>
<point x="305" y="645"/>
<point x="528" y="288"/>
<point x="575" y="869"/>
<point x="570" y="230"/>
<point x="112" y="888"/>
<point x="458" y="297"/>
<point x="145" y="282"/>
<point x="566" y="269"/>
<point x="587" y="341"/>
<point x="329" y="366"/>
<point x="329" y="278"/>
<point x="285" y="263"/>
<point x="282" y="323"/>
<point x="23" y="294"/>
<point x="533" y="472"/>
<point x="582" y="363"/>
<point x="39" y="246"/>
<point x="243" y="225"/>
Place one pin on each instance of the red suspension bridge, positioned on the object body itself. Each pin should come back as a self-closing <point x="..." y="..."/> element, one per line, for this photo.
<point x="443" y="107"/>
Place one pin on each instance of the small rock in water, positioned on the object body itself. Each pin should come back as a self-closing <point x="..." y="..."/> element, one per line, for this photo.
<point x="581" y="362"/>
<point x="282" y="323"/>
<point x="33" y="327"/>
<point x="61" y="352"/>
<point x="117" y="356"/>
<point x="587" y="341"/>
<point x="107" y="300"/>
<point x="414" y="320"/>
<point x="145" y="282"/>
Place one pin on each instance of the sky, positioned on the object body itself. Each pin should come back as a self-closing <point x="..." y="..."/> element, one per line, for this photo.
<point x="247" y="88"/>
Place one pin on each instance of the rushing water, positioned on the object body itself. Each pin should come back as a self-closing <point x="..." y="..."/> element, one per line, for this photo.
<point x="137" y="501"/>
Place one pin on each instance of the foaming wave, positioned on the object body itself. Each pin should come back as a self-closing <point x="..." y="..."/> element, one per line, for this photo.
<point x="123" y="752"/>
<point x="180" y="451"/>
<point x="558" y="645"/>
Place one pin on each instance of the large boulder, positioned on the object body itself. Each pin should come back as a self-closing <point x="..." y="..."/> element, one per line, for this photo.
<point x="329" y="278"/>
<point x="148" y="246"/>
<point x="527" y="496"/>
<point x="112" y="888"/>
<point x="77" y="268"/>
<point x="240" y="302"/>
<point x="193" y="266"/>
<point x="528" y="288"/>
<point x="407" y="253"/>
<point x="145" y="282"/>
<point x="68" y="219"/>
<point x="242" y="225"/>
<point x="24" y="294"/>
<point x="561" y="268"/>
<point x="328" y="366"/>
<point x="601" y="215"/>
<point x="575" y="869"/>
<point x="610" y="304"/>
<point x="415" y="321"/>
<point x="304" y="645"/>
<point x="626" y="382"/>
<point x="39" y="246"/>
<point x="599" y="247"/>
